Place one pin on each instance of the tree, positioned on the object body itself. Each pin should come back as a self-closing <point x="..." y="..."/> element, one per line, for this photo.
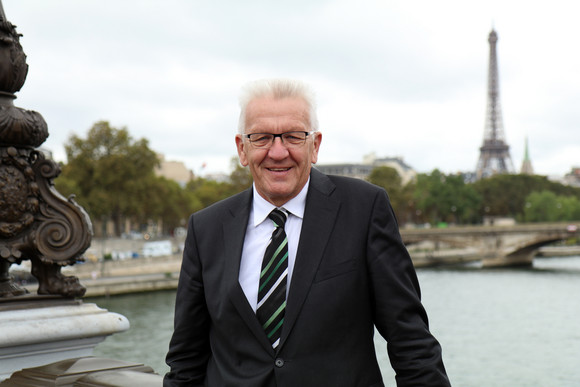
<point x="546" y="206"/>
<point x="388" y="178"/>
<point x="113" y="172"/>
<point x="240" y="178"/>
<point x="399" y="195"/>
<point x="207" y="192"/>
<point x="170" y="203"/>
<point x="446" y="198"/>
<point x="505" y="195"/>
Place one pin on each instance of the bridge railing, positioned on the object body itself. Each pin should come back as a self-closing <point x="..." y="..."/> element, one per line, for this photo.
<point x="566" y="227"/>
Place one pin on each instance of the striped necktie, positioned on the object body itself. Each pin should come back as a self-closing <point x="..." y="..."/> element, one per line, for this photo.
<point x="272" y="290"/>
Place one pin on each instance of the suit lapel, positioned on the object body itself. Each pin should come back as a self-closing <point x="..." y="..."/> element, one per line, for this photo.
<point x="319" y="217"/>
<point x="234" y="234"/>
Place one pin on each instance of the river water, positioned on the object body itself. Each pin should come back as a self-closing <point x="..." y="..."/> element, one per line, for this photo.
<point x="499" y="327"/>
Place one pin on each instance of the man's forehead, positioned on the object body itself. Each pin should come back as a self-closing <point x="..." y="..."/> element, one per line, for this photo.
<point x="273" y="103"/>
<point x="261" y="111"/>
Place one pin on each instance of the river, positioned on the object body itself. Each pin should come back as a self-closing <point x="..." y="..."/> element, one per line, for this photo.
<point x="498" y="327"/>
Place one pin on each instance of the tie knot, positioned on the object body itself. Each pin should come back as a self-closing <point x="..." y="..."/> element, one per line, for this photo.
<point x="278" y="217"/>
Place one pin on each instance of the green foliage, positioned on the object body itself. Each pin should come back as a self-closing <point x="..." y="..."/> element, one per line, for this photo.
<point x="546" y="206"/>
<point x="207" y="192"/>
<point x="445" y="198"/>
<point x="399" y="195"/>
<point x="387" y="178"/>
<point x="240" y="178"/>
<point x="504" y="195"/>
<point x="66" y="186"/>
<point x="507" y="195"/>
<point x="168" y="202"/>
<point x="437" y="198"/>
<point x="114" y="174"/>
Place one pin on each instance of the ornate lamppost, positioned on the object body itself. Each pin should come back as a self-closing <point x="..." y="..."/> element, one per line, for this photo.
<point x="36" y="222"/>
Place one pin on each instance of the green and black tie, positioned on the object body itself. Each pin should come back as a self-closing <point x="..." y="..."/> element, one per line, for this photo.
<point x="273" y="279"/>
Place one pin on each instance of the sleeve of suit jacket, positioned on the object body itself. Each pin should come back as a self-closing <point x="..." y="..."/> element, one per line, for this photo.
<point x="189" y="348"/>
<point x="400" y="318"/>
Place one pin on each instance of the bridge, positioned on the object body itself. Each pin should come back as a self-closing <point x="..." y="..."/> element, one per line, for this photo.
<point x="514" y="245"/>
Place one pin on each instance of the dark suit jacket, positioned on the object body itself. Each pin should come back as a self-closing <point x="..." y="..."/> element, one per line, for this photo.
<point x="352" y="274"/>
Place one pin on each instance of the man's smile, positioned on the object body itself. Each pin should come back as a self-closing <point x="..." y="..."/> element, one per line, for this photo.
<point x="278" y="169"/>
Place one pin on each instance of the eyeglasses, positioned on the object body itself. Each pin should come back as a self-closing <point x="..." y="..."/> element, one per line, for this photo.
<point x="289" y="139"/>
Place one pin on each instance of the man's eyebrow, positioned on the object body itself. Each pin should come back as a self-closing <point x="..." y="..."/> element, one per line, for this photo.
<point x="262" y="129"/>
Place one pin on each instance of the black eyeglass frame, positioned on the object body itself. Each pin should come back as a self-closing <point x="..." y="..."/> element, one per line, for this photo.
<point x="283" y="137"/>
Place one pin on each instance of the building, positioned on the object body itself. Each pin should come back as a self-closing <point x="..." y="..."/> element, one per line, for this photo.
<point x="173" y="170"/>
<point x="572" y="178"/>
<point x="364" y="169"/>
<point x="527" y="168"/>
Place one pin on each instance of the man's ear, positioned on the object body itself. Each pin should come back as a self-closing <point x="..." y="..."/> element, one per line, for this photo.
<point x="316" y="147"/>
<point x="240" y="146"/>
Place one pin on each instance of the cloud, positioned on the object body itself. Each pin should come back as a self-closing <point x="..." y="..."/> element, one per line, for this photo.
<point x="395" y="78"/>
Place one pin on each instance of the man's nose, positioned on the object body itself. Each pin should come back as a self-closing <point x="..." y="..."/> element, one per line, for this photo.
<point x="278" y="150"/>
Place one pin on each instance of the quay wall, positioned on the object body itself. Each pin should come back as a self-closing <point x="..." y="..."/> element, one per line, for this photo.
<point x="162" y="273"/>
<point x="112" y="277"/>
<point x="128" y="276"/>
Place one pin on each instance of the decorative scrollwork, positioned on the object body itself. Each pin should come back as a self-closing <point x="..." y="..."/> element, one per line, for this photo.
<point x="64" y="229"/>
<point x="38" y="223"/>
<point x="18" y="190"/>
<point x="48" y="169"/>
<point x="53" y="239"/>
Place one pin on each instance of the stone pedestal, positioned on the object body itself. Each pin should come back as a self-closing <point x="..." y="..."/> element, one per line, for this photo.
<point x="38" y="330"/>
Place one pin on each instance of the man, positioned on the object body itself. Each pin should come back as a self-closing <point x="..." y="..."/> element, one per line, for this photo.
<point x="331" y="262"/>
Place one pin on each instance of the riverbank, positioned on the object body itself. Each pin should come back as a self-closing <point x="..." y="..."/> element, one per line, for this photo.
<point x="143" y="274"/>
<point x="128" y="276"/>
<point x="161" y="273"/>
<point x="111" y="277"/>
<point x="558" y="251"/>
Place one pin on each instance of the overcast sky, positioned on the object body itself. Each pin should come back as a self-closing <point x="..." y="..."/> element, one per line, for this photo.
<point x="398" y="78"/>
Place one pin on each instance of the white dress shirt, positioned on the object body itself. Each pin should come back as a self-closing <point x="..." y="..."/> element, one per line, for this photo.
<point x="258" y="235"/>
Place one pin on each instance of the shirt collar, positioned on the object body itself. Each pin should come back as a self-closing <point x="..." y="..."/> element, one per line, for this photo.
<point x="262" y="207"/>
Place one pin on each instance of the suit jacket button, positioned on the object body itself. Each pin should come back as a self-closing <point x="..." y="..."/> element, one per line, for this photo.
<point x="279" y="362"/>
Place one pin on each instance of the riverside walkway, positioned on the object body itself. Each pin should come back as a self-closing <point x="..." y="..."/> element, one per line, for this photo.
<point x="488" y="245"/>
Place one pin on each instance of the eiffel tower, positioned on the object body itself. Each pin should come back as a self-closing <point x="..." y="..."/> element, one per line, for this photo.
<point x="494" y="156"/>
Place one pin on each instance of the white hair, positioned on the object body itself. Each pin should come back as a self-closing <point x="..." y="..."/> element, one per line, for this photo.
<point x="277" y="89"/>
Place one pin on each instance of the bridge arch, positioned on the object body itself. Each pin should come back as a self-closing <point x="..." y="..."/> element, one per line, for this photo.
<point x="513" y="245"/>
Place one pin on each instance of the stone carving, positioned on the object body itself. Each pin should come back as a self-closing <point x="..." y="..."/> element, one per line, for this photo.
<point x="21" y="127"/>
<point x="36" y="222"/>
<point x="13" y="67"/>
